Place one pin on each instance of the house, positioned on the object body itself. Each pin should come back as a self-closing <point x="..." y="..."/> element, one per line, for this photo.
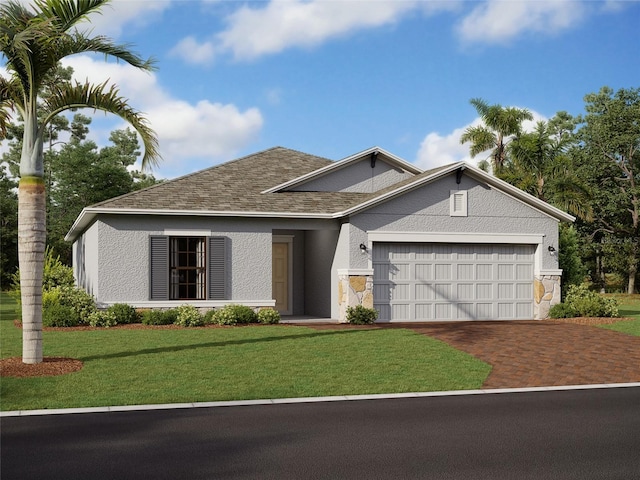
<point x="311" y="236"/>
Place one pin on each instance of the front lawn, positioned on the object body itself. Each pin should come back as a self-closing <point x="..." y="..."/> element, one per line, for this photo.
<point x="128" y="367"/>
<point x="629" y="308"/>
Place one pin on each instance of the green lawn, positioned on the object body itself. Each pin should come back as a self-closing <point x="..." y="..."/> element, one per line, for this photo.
<point x="629" y="308"/>
<point x="128" y="367"/>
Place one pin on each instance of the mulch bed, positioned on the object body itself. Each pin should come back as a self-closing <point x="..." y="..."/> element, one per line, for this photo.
<point x="50" y="366"/>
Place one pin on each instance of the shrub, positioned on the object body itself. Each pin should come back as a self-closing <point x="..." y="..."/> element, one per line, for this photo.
<point x="562" y="310"/>
<point x="57" y="315"/>
<point x="55" y="273"/>
<point x="224" y="316"/>
<point x="124" y="314"/>
<point x="587" y="303"/>
<point x="268" y="316"/>
<point x="103" y="318"/>
<point x="210" y="317"/>
<point x="188" y="316"/>
<point x="83" y="303"/>
<point x="50" y="298"/>
<point x="360" y="315"/>
<point x="158" y="317"/>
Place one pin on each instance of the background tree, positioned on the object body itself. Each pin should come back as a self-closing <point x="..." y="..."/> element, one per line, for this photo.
<point x="8" y="228"/>
<point x="499" y="126"/>
<point x="541" y="164"/>
<point x="610" y="163"/>
<point x="33" y="40"/>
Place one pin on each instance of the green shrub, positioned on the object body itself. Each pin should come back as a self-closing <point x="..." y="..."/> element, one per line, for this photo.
<point x="159" y="317"/>
<point x="268" y="316"/>
<point x="55" y="273"/>
<point x="103" y="318"/>
<point x="360" y="315"/>
<point x="234" y="315"/>
<point x="83" y="303"/>
<point x="57" y="315"/>
<point x="588" y="303"/>
<point x="124" y="314"/>
<point x="562" y="310"/>
<point x="210" y="317"/>
<point x="188" y="316"/>
<point x="50" y="298"/>
<point x="224" y="316"/>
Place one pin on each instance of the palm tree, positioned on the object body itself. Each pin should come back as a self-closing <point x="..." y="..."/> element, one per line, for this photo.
<point x="33" y="40"/>
<point x="541" y="166"/>
<point x="500" y="126"/>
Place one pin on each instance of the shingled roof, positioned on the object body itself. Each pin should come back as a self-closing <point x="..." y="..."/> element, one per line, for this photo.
<point x="236" y="186"/>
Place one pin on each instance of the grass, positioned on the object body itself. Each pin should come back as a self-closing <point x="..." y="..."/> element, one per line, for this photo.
<point x="128" y="367"/>
<point x="629" y="308"/>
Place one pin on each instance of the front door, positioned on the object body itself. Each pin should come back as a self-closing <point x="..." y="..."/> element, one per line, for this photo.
<point x="280" y="277"/>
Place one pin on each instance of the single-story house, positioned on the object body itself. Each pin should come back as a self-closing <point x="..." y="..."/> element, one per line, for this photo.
<point x="310" y="236"/>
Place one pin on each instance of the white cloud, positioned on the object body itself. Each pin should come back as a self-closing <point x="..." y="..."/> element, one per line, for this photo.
<point x="497" y="21"/>
<point x="117" y="15"/>
<point x="258" y="31"/>
<point x="279" y="25"/>
<point x="193" y="52"/>
<point x="211" y="132"/>
<point x="437" y="150"/>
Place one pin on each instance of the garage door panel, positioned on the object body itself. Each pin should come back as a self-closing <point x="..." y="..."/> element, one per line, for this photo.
<point x="506" y="291"/>
<point x="465" y="291"/>
<point x="424" y="291"/>
<point x="424" y="311"/>
<point x="453" y="282"/>
<point x="466" y="271"/>
<point x="401" y="291"/>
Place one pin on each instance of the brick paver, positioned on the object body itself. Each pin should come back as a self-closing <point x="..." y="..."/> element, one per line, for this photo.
<point x="540" y="353"/>
<point x="544" y="353"/>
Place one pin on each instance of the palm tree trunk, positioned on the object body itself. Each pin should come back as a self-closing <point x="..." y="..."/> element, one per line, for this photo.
<point x="31" y="244"/>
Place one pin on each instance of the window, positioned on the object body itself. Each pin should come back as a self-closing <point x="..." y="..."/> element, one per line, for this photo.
<point x="187" y="268"/>
<point x="458" y="203"/>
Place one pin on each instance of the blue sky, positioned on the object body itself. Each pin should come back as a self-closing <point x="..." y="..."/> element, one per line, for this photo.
<point x="333" y="78"/>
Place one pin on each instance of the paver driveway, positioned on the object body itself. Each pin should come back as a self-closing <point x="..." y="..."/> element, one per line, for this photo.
<point x="539" y="353"/>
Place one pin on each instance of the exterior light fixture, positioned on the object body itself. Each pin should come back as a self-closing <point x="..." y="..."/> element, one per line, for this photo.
<point x="363" y="248"/>
<point x="551" y="249"/>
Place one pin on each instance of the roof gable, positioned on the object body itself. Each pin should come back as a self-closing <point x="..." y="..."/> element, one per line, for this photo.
<point x="368" y="171"/>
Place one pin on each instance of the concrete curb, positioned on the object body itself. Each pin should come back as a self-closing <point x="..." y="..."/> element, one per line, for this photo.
<point x="280" y="401"/>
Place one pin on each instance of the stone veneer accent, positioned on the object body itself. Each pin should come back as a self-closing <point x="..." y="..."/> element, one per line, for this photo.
<point x="354" y="290"/>
<point x="546" y="294"/>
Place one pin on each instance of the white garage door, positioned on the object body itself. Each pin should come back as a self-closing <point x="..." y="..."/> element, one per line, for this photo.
<point x="431" y="282"/>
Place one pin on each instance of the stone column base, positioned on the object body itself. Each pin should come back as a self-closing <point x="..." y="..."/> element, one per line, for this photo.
<point x="354" y="288"/>
<point x="546" y="294"/>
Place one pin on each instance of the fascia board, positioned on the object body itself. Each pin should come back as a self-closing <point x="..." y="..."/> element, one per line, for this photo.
<point x="88" y="214"/>
<point x="390" y="158"/>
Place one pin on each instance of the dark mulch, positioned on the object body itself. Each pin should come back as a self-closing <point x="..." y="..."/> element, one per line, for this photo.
<point x="50" y="366"/>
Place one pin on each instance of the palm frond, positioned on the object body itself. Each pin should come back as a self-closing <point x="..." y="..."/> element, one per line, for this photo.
<point x="107" y="99"/>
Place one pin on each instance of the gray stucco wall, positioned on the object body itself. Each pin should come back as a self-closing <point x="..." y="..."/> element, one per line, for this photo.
<point x="86" y="260"/>
<point x="124" y="254"/>
<point x="357" y="177"/>
<point x="320" y="248"/>
<point x="427" y="210"/>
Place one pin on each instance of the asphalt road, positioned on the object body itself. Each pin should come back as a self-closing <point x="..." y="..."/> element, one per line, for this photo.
<point x="579" y="434"/>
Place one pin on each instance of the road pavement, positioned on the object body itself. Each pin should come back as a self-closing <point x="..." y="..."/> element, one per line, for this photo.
<point x="573" y="434"/>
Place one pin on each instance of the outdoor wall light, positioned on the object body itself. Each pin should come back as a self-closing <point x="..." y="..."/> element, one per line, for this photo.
<point x="551" y="249"/>
<point x="363" y="248"/>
